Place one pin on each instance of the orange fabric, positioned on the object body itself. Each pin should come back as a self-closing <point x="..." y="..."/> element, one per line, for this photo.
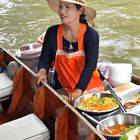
<point x="69" y="66"/>
<point x="17" y="91"/>
<point x="39" y="102"/>
<point x="20" y="104"/>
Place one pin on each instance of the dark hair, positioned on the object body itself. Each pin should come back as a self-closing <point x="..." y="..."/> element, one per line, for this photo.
<point x="82" y="16"/>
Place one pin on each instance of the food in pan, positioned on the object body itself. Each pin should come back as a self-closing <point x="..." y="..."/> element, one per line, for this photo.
<point x="132" y="103"/>
<point x="95" y="103"/>
<point x="129" y="105"/>
<point x="128" y="132"/>
<point x="132" y="133"/>
<point x="116" y="129"/>
<point x="138" y="100"/>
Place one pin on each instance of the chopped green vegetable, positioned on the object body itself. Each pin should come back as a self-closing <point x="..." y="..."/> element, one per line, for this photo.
<point x="131" y="127"/>
<point x="123" y="138"/>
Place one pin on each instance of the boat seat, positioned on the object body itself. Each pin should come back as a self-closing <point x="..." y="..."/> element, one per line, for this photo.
<point x="7" y="75"/>
<point x="29" y="127"/>
<point x="6" y="86"/>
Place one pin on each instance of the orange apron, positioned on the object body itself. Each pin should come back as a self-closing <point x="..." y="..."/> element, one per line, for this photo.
<point x="69" y="66"/>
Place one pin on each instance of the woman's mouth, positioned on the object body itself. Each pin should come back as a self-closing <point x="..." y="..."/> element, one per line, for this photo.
<point x="62" y="16"/>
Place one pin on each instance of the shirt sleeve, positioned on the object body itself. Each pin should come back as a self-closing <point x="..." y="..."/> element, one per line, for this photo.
<point x="48" y="50"/>
<point x="91" y="47"/>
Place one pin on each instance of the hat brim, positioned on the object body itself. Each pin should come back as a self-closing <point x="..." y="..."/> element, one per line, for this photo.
<point x="89" y="12"/>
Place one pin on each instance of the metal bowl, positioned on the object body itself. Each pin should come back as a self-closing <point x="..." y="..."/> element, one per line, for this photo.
<point x="79" y="100"/>
<point x="130" y="119"/>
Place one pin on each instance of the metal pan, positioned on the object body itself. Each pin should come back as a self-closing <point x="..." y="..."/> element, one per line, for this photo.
<point x="79" y="100"/>
<point x="130" y="119"/>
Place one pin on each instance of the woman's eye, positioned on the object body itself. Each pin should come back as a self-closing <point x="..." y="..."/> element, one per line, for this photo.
<point x="67" y="7"/>
<point x="60" y="6"/>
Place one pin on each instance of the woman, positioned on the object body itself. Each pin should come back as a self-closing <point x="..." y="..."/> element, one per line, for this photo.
<point x="72" y="47"/>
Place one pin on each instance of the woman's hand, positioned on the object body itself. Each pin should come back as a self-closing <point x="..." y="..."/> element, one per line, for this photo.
<point x="74" y="95"/>
<point x="41" y="76"/>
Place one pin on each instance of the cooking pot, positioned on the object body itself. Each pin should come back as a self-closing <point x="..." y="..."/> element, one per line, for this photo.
<point x="126" y="118"/>
<point x="79" y="100"/>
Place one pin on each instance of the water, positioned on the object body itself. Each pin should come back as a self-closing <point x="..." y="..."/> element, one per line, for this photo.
<point x="21" y="22"/>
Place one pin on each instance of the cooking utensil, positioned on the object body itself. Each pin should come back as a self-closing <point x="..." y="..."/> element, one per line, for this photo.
<point x="97" y="122"/>
<point x="130" y="119"/>
<point x="116" y="98"/>
<point x="79" y="100"/>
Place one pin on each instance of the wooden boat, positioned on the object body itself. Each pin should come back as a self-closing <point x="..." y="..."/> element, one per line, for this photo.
<point x="60" y="117"/>
<point x="57" y="114"/>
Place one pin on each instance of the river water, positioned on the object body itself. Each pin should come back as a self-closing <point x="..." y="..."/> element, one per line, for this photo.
<point x="118" y="24"/>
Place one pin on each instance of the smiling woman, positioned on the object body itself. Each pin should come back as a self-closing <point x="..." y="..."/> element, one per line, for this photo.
<point x="73" y="47"/>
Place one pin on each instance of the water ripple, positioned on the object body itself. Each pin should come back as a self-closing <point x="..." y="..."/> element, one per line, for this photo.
<point x="21" y="22"/>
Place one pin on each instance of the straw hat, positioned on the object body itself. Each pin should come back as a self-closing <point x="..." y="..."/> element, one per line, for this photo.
<point x="89" y="12"/>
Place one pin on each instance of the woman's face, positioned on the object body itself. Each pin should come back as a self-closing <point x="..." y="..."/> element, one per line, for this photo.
<point x="68" y="12"/>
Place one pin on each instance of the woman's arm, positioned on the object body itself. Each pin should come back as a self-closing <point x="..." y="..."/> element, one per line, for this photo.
<point x="45" y="57"/>
<point x="91" y="47"/>
<point x="47" y="54"/>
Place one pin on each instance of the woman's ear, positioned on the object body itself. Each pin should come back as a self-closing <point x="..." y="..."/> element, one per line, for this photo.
<point x="81" y="10"/>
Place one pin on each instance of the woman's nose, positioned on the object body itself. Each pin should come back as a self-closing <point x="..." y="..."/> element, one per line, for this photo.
<point x="62" y="10"/>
